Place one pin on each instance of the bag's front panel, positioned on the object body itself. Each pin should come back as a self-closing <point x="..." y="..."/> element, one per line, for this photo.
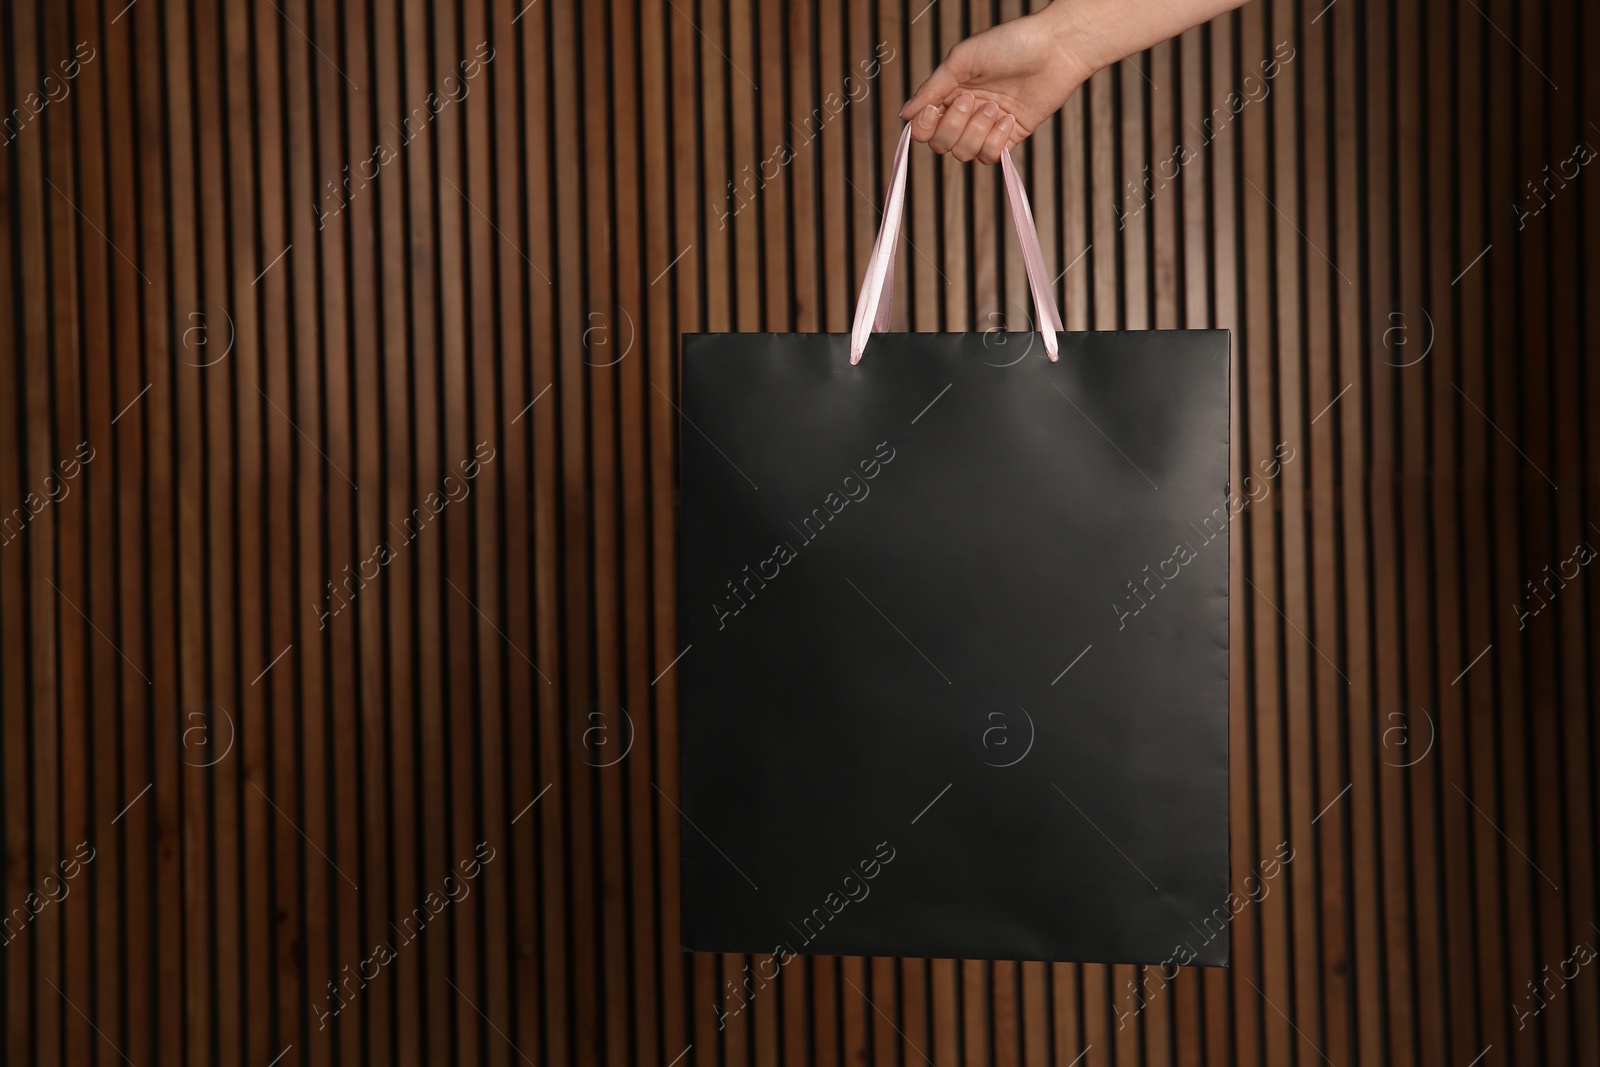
<point x="956" y="619"/>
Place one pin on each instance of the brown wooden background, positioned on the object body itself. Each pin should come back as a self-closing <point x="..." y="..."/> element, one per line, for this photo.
<point x="267" y="798"/>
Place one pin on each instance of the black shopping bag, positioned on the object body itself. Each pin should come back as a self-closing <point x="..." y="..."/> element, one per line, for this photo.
<point x="954" y="678"/>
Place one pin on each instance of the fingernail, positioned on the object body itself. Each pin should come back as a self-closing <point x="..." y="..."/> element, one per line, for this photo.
<point x="964" y="102"/>
<point x="991" y="109"/>
<point x="929" y="116"/>
<point x="1006" y="124"/>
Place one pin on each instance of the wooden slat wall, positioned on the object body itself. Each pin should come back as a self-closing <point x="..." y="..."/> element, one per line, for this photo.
<point x="268" y="389"/>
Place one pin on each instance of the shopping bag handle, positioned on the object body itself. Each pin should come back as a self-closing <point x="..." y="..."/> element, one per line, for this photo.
<point x="875" y="303"/>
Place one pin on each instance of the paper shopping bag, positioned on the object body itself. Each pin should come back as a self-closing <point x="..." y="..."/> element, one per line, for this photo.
<point x="954" y="679"/>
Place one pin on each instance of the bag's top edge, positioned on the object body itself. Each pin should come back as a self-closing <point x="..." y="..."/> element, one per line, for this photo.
<point x="941" y="333"/>
<point x="957" y="333"/>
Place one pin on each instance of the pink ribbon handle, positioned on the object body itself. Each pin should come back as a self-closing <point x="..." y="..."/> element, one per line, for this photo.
<point x="875" y="303"/>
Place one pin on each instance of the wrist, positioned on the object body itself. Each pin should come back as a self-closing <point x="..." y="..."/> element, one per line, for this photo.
<point x="1075" y="39"/>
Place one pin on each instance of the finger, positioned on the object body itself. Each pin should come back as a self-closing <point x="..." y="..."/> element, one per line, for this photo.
<point x="926" y="122"/>
<point x="940" y="84"/>
<point x="977" y="132"/>
<point x="998" y="141"/>
<point x="953" y="124"/>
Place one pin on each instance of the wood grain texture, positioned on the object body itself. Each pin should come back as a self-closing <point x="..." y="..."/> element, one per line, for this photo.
<point x="285" y="281"/>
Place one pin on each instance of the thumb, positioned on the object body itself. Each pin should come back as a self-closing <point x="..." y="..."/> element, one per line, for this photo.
<point x="940" y="84"/>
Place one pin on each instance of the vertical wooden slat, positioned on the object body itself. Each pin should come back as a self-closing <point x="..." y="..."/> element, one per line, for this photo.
<point x="671" y="213"/>
<point x="14" y="680"/>
<point x="41" y="220"/>
<point x="464" y="698"/>
<point x="598" y="50"/>
<point x="160" y="512"/>
<point x="1270" y="214"/>
<point x="487" y="820"/>
<point x="1077" y="207"/>
<point x="312" y="457"/>
<point x="1381" y="687"/>
<point x="206" y="333"/>
<point x="338" y="95"/>
<point x="1588" y="390"/>
<point x="277" y="796"/>
<point x="574" y="230"/>
<point x="1447" y="133"/>
<point x="512" y="890"/>
<point x="101" y="994"/>
<point x="1355" y="819"/>
<point x="1320" y="866"/>
<point x="1131" y="94"/>
<point x="363" y="778"/>
<point x="396" y="790"/>
<point x="1279" y="525"/>
<point x="197" y="902"/>
<point x="1280" y="70"/>
<point x="1479" y="445"/>
<point x="1510" y="788"/>
<point x="917" y="57"/>
<point x="1537" y="149"/>
<point x="69" y="926"/>
<point x="540" y="415"/>
<point x="244" y="369"/>
<point x="1418" y="114"/>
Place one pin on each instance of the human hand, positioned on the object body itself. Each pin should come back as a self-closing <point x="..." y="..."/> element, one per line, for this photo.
<point x="994" y="89"/>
